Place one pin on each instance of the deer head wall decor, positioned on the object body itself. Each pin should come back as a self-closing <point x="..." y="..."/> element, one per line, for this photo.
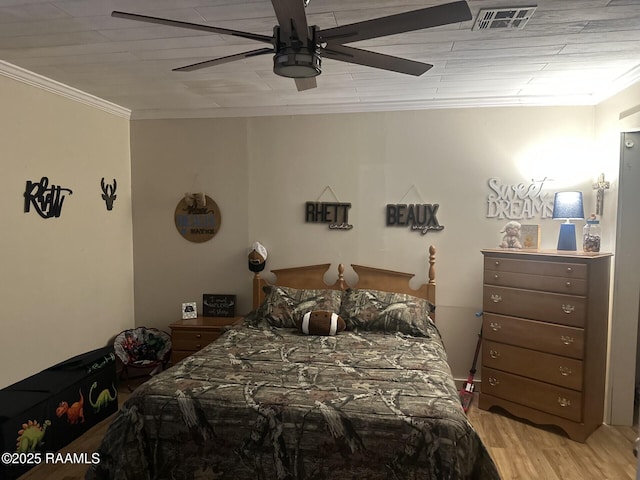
<point x="109" y="193"/>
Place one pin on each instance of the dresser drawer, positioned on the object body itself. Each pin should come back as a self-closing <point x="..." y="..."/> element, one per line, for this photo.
<point x="549" y="307"/>
<point x="559" y="401"/>
<point x="192" y="340"/>
<point x="542" y="336"/>
<point x="536" y="267"/>
<point x="571" y="286"/>
<point x="561" y="371"/>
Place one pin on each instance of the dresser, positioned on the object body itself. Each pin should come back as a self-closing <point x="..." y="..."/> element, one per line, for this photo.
<point x="190" y="335"/>
<point x="544" y="330"/>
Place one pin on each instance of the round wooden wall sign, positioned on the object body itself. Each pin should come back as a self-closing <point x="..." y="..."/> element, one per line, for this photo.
<point x="198" y="223"/>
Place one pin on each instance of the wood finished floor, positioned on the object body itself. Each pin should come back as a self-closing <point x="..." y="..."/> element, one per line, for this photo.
<point x="521" y="451"/>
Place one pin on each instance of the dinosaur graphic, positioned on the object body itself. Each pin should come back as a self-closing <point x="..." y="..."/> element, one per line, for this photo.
<point x="103" y="399"/>
<point x="30" y="436"/>
<point x="74" y="412"/>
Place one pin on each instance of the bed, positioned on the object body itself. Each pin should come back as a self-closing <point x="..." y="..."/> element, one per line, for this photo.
<point x="268" y="401"/>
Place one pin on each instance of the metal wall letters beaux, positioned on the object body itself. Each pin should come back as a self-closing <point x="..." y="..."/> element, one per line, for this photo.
<point x="420" y="217"/>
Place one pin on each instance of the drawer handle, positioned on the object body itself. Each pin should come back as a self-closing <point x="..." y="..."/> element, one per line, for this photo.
<point x="565" y="371"/>
<point x="568" y="284"/>
<point x="496" y="276"/>
<point x="198" y="346"/>
<point x="494" y="353"/>
<point x="493" y="381"/>
<point x="198" y="335"/>
<point x="569" y="270"/>
<point x="495" y="326"/>
<point x="567" y="340"/>
<point x="564" y="402"/>
<point x="567" y="308"/>
<point x="495" y="298"/>
<point x="497" y="263"/>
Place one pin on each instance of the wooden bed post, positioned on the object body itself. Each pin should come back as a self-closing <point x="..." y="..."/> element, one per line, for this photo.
<point x="257" y="290"/>
<point x="432" y="262"/>
<point x="341" y="284"/>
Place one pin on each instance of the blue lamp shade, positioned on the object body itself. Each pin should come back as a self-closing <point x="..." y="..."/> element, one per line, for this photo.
<point x="568" y="206"/>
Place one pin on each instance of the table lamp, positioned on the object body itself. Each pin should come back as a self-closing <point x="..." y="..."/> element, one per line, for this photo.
<point x="567" y="206"/>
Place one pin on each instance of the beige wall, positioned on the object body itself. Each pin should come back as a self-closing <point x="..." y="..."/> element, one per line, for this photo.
<point x="67" y="282"/>
<point x="262" y="170"/>
<point x="169" y="158"/>
<point x="374" y="159"/>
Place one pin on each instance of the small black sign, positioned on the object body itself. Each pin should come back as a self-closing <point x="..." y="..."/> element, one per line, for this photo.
<point x="218" y="305"/>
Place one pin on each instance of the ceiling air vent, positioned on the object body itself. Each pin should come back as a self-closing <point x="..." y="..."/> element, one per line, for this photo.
<point x="501" y="18"/>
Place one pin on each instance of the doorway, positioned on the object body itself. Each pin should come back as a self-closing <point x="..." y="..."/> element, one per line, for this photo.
<point x="624" y="369"/>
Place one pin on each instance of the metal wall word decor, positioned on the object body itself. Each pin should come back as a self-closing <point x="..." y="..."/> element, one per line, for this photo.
<point x="109" y="193"/>
<point x="518" y="202"/>
<point x="197" y="222"/>
<point x="46" y="200"/>
<point x="419" y="217"/>
<point x="336" y="214"/>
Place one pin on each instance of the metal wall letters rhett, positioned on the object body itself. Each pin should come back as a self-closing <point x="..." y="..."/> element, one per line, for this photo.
<point x="46" y="200"/>
<point x="336" y="214"/>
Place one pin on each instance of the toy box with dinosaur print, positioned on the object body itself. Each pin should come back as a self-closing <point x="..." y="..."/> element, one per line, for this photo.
<point x="48" y="410"/>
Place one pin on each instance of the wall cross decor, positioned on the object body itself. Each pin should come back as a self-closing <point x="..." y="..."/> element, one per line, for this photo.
<point x="600" y="186"/>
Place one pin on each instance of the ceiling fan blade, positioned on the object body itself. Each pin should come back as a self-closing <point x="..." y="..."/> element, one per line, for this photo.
<point x="191" y="26"/>
<point x="221" y="60"/>
<point x="306" y="83"/>
<point x="375" y="60"/>
<point x="292" y="18"/>
<point x="400" y="23"/>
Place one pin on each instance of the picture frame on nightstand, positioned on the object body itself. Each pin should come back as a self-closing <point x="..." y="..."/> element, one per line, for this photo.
<point x="218" y="305"/>
<point x="189" y="310"/>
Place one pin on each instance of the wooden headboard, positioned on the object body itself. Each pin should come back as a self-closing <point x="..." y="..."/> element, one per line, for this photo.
<point x="312" y="277"/>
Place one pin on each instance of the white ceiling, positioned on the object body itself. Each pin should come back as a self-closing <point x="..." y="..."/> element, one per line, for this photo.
<point x="572" y="52"/>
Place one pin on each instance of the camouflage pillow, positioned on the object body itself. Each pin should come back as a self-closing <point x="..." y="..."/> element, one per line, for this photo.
<point x="285" y="306"/>
<point x="375" y="310"/>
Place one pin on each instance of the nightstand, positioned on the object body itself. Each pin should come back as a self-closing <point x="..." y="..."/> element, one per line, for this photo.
<point x="190" y="335"/>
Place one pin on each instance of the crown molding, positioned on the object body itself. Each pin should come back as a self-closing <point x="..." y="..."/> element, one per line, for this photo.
<point x="572" y="101"/>
<point x="39" y="81"/>
<point x="621" y="83"/>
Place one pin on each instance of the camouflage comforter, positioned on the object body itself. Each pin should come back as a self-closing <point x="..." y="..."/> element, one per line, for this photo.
<point x="267" y="403"/>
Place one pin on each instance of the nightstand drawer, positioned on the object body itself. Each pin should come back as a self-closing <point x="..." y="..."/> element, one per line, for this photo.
<point x="542" y="336"/>
<point x="536" y="267"/>
<point x="561" y="371"/>
<point x="549" y="307"/>
<point x="571" y="286"/>
<point x="559" y="401"/>
<point x="192" y="340"/>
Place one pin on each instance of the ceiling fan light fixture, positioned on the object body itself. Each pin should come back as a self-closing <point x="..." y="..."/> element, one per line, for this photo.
<point x="297" y="63"/>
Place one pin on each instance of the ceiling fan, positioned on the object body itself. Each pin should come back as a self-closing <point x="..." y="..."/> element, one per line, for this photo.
<point x="298" y="48"/>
